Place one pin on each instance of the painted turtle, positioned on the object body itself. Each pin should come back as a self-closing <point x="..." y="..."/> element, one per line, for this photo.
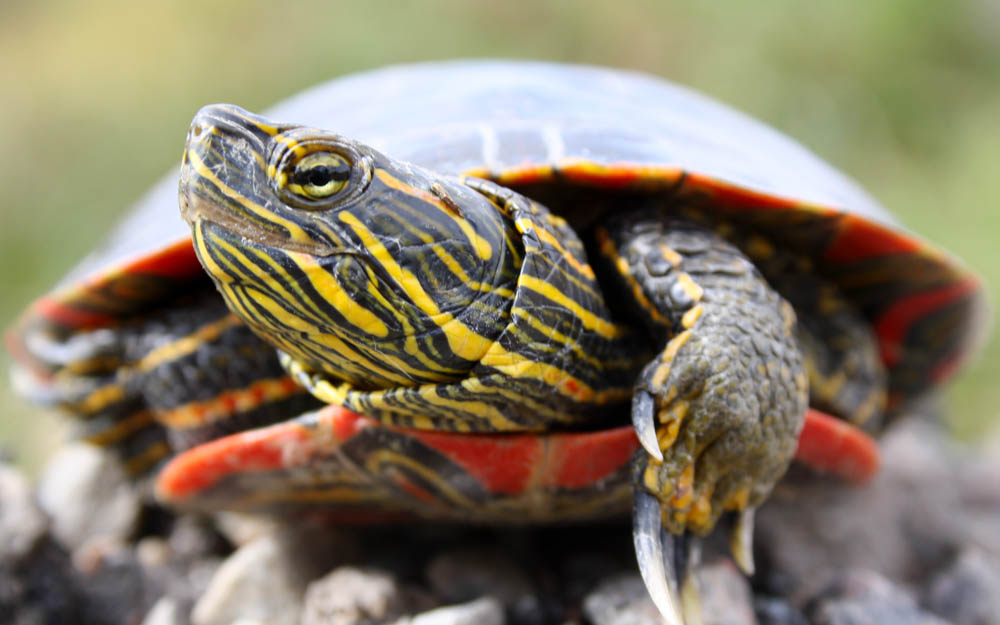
<point x="518" y="257"/>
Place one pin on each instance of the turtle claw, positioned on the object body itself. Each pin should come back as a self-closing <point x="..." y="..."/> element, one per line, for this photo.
<point x="663" y="560"/>
<point x="741" y="540"/>
<point x="643" y="408"/>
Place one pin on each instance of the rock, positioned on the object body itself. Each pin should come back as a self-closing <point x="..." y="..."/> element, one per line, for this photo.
<point x="41" y="587"/>
<point x="901" y="524"/>
<point x="117" y="588"/>
<point x="22" y="523"/>
<point x="621" y="600"/>
<point x="726" y="598"/>
<point x="166" y="611"/>
<point x="860" y="597"/>
<point x="351" y="596"/>
<point x="485" y="611"/>
<point x="774" y="611"/>
<point x="463" y="575"/>
<point x="968" y="592"/>
<point x="192" y="538"/>
<point x="240" y="529"/>
<point x="88" y="497"/>
<point x="266" y="579"/>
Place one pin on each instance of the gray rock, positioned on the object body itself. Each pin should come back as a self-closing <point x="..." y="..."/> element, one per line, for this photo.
<point x="484" y="611"/>
<point x="774" y="611"/>
<point x="166" y="611"/>
<point x="621" y="600"/>
<point x="726" y="598"/>
<point x="265" y="580"/>
<point x="968" y="592"/>
<point x="903" y="524"/>
<point x="861" y="597"/>
<point x="88" y="497"/>
<point x="352" y="596"/>
<point x="458" y="576"/>
<point x="22" y="523"/>
<point x="240" y="529"/>
<point x="40" y="588"/>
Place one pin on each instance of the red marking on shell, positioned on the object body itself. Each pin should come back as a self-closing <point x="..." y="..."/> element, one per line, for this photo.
<point x="503" y="464"/>
<point x="580" y="460"/>
<point x="414" y="490"/>
<point x="176" y="261"/>
<point x="342" y="422"/>
<point x="273" y="448"/>
<point x="202" y="467"/>
<point x="895" y="322"/>
<point x="831" y="445"/>
<point x="58" y="311"/>
<point x="860" y="239"/>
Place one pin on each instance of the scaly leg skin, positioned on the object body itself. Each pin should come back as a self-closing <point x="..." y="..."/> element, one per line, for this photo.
<point x="719" y="410"/>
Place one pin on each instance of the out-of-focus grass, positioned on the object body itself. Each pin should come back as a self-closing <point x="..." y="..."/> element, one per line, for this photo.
<point x="903" y="95"/>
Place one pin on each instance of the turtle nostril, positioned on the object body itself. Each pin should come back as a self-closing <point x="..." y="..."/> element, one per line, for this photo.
<point x="196" y="130"/>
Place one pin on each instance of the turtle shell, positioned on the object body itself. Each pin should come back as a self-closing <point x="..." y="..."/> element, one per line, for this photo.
<point x="559" y="133"/>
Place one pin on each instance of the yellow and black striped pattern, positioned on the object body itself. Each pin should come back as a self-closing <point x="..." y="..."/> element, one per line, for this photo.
<point x="420" y="299"/>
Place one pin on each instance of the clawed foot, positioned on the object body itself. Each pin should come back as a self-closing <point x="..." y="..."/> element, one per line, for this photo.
<point x="714" y="442"/>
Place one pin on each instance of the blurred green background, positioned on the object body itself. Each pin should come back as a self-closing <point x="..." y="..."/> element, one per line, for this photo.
<point x="97" y="96"/>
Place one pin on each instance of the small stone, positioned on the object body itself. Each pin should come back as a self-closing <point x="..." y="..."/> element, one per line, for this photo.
<point x="153" y="551"/>
<point x="774" y="611"/>
<point x="240" y="529"/>
<point x="464" y="575"/>
<point x="906" y="520"/>
<point x="484" y="611"/>
<point x="22" y="523"/>
<point x="621" y="600"/>
<point x="87" y="495"/>
<point x="860" y="597"/>
<point x="726" y="598"/>
<point x="191" y="538"/>
<point x="41" y="587"/>
<point x="351" y="596"/>
<point x="166" y="611"/>
<point x="266" y="579"/>
<point x="117" y="588"/>
<point x="968" y="592"/>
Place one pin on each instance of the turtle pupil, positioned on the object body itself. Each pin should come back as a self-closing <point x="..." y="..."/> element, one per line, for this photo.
<point x="321" y="175"/>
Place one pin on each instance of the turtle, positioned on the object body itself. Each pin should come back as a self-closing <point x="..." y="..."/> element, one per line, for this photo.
<point x="499" y="292"/>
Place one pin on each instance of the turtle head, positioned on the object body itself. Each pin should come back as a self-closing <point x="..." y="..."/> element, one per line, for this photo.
<point x="371" y="270"/>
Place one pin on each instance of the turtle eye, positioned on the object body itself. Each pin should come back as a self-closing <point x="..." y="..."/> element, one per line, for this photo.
<point x="320" y="175"/>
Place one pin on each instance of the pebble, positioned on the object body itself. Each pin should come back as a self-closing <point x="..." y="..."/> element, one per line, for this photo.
<point x="240" y="529"/>
<point x="484" y="611"/>
<point x="775" y="611"/>
<point x="967" y="592"/>
<point x="621" y="600"/>
<point x="78" y="476"/>
<point x="463" y="575"/>
<point x="166" y="611"/>
<point x="861" y="597"/>
<point x="41" y="587"/>
<point x="903" y="521"/>
<point x="263" y="580"/>
<point x="726" y="598"/>
<point x="22" y="523"/>
<point x="353" y="596"/>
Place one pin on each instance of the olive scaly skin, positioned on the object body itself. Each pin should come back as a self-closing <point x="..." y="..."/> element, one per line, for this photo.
<point x="727" y="395"/>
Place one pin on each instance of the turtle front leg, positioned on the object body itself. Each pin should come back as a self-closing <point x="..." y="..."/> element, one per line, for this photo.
<point x="719" y="410"/>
